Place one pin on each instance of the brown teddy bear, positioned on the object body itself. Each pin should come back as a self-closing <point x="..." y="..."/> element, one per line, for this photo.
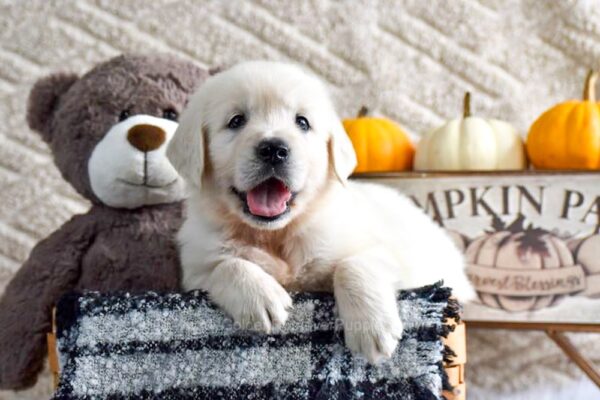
<point x="108" y="131"/>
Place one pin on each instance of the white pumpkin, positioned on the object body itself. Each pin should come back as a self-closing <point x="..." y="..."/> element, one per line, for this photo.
<point x="471" y="144"/>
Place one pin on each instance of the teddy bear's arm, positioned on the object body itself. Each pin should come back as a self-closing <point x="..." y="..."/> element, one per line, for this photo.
<point x="52" y="269"/>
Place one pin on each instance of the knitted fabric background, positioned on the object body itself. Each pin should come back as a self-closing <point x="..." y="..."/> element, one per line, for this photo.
<point x="410" y="60"/>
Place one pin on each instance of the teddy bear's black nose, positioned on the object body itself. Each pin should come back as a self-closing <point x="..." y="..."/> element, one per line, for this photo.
<point x="146" y="137"/>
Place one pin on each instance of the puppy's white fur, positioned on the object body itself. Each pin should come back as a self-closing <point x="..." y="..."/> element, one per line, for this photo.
<point x="360" y="240"/>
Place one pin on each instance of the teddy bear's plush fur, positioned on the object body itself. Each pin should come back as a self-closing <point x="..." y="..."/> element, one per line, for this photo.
<point x="107" y="131"/>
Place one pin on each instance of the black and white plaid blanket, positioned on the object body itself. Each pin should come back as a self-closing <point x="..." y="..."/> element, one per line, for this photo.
<point x="180" y="346"/>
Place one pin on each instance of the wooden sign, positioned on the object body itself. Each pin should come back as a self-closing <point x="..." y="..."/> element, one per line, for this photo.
<point x="531" y="239"/>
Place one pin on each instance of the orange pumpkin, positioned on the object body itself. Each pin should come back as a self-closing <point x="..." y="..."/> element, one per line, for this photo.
<point x="380" y="144"/>
<point x="567" y="136"/>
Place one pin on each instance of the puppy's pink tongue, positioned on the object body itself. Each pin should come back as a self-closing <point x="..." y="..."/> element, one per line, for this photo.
<point x="269" y="198"/>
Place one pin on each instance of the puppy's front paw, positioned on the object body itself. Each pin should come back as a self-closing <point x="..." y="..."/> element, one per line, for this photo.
<point x="375" y="336"/>
<point x="372" y="325"/>
<point x="253" y="298"/>
<point x="263" y="308"/>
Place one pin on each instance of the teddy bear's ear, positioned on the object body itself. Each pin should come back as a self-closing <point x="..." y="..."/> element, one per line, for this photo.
<point x="43" y="100"/>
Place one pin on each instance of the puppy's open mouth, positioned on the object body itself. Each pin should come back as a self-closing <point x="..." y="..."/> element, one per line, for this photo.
<point x="266" y="201"/>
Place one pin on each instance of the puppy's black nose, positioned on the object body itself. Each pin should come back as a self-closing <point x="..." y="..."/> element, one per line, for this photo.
<point x="272" y="151"/>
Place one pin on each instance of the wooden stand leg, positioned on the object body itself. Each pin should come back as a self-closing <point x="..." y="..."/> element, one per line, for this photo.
<point x="53" y="359"/>
<point x="555" y="331"/>
<point x="457" y="341"/>
<point x="571" y="351"/>
<point x="53" y="352"/>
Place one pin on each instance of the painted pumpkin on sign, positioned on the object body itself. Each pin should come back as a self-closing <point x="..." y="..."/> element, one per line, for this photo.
<point x="461" y="241"/>
<point x="514" y="257"/>
<point x="380" y="144"/>
<point x="586" y="252"/>
<point x="567" y="136"/>
<point x="471" y="144"/>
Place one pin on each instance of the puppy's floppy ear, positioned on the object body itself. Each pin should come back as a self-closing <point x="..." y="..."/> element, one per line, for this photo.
<point x="341" y="152"/>
<point x="186" y="150"/>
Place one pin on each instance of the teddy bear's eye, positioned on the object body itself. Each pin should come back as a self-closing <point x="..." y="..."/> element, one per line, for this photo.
<point x="170" y="114"/>
<point x="124" y="115"/>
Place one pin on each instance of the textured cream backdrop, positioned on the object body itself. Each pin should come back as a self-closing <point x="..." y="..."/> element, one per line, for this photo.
<point x="410" y="60"/>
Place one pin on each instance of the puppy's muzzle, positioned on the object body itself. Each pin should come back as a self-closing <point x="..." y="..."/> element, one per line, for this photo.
<point x="273" y="151"/>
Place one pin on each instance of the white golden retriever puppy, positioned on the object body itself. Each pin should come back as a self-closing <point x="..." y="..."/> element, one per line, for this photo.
<point x="271" y="208"/>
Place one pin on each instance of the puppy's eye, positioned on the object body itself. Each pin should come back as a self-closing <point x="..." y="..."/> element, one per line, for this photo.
<point x="302" y="123"/>
<point x="171" y="114"/>
<point x="237" y="121"/>
<point x="124" y="115"/>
